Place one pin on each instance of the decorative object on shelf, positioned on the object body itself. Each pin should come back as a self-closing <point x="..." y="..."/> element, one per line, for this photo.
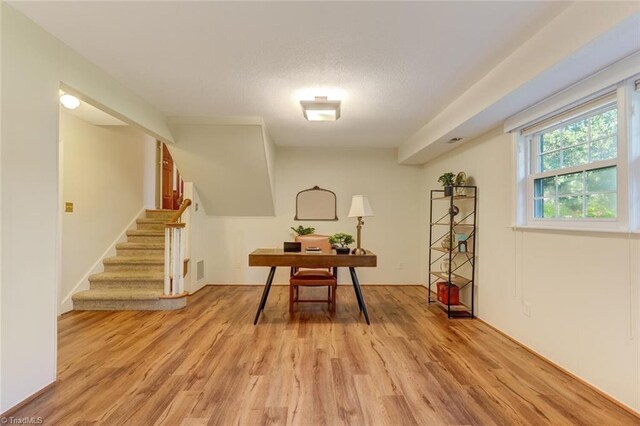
<point x="460" y="238"/>
<point x="360" y="208"/>
<point x="456" y="295"/>
<point x="448" y="266"/>
<point x="340" y="242"/>
<point x="447" y="181"/>
<point x="301" y="230"/>
<point x="316" y="204"/>
<point x="447" y="242"/>
<point x="448" y="294"/>
<point x="459" y="181"/>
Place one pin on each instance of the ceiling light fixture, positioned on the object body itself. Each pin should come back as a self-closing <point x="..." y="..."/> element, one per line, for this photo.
<point x="454" y="140"/>
<point x="321" y="109"/>
<point x="69" y="102"/>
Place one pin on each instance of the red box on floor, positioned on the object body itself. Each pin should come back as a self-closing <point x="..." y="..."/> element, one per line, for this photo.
<point x="443" y="293"/>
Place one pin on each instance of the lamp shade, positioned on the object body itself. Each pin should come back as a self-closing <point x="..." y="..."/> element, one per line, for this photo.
<point x="360" y="206"/>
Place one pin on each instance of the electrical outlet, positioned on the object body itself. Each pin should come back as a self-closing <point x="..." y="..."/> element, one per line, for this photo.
<point x="400" y="266"/>
<point x="68" y="207"/>
<point x="526" y="309"/>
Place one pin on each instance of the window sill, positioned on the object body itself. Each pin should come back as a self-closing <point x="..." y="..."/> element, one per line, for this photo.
<point x="568" y="230"/>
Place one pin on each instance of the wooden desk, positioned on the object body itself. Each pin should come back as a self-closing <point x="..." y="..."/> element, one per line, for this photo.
<point x="277" y="257"/>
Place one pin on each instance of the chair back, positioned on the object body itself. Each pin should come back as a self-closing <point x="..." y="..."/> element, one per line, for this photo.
<point x="315" y="240"/>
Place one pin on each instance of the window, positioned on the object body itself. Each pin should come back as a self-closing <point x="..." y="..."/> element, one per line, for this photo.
<point x="575" y="167"/>
<point x="579" y="168"/>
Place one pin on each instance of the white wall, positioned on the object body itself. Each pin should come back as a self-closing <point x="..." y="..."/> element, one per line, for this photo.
<point x="104" y="175"/>
<point x="582" y="288"/>
<point x="395" y="199"/>
<point x="230" y="162"/>
<point x="34" y="64"/>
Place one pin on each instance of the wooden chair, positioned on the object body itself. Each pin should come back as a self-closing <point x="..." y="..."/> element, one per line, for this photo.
<point x="313" y="277"/>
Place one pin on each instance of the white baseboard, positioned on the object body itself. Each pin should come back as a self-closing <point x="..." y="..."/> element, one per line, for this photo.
<point x="67" y="304"/>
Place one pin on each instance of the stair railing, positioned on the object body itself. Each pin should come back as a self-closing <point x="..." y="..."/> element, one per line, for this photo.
<point x="174" y="253"/>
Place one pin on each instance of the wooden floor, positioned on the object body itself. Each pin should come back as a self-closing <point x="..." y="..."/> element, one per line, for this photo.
<point x="208" y="364"/>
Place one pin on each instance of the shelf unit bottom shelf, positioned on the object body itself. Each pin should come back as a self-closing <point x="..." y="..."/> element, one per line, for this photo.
<point x="454" y="308"/>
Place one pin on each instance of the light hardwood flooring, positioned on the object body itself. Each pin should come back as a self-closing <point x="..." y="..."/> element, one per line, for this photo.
<point x="208" y="364"/>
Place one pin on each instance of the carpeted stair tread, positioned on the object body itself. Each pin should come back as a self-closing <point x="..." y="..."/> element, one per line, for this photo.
<point x="146" y="232"/>
<point x="118" y="294"/>
<point x="133" y="260"/>
<point x="128" y="276"/>
<point x="148" y="246"/>
<point x="154" y="220"/>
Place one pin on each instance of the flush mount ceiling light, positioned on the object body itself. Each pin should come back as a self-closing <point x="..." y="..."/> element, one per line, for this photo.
<point x="69" y="102"/>
<point x="321" y="109"/>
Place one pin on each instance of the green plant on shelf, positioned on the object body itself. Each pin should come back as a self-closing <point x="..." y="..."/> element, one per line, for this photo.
<point x="447" y="179"/>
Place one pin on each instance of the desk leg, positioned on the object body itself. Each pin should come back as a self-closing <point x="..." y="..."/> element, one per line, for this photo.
<point x="352" y="271"/>
<point x="356" y="287"/>
<point x="265" y="294"/>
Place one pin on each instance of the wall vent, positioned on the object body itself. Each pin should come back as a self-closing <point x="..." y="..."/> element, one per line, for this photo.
<point x="200" y="270"/>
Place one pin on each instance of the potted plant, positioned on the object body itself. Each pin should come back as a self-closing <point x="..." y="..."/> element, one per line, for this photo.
<point x="341" y="242"/>
<point x="459" y="181"/>
<point x="301" y="230"/>
<point x="447" y="180"/>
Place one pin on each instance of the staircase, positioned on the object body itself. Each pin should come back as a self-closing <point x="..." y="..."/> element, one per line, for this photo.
<point x="134" y="278"/>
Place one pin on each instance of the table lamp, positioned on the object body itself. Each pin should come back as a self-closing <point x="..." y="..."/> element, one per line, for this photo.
<point x="360" y="208"/>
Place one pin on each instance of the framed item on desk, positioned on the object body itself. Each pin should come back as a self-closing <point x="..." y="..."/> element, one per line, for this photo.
<point x="292" y="247"/>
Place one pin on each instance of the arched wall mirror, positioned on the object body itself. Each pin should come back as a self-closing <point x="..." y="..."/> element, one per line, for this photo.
<point x="316" y="204"/>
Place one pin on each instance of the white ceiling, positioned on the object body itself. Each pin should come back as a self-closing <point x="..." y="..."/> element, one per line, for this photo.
<point x="395" y="64"/>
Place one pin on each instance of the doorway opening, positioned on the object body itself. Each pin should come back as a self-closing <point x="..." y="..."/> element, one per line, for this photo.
<point x="106" y="170"/>
<point x="169" y="182"/>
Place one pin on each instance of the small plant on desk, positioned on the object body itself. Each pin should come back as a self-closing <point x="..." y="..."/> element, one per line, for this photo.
<point x="341" y="242"/>
<point x="301" y="230"/>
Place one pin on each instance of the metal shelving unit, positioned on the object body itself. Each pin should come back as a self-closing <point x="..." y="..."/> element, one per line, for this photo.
<point x="443" y="248"/>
